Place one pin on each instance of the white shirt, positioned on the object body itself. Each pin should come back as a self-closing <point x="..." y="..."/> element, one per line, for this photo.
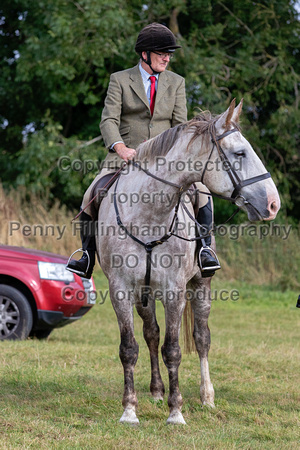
<point x="146" y="81"/>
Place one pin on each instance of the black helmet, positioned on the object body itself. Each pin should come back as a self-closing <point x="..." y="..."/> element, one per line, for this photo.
<point x="156" y="37"/>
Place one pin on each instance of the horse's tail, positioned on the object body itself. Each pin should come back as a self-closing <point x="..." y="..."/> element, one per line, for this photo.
<point x="188" y="328"/>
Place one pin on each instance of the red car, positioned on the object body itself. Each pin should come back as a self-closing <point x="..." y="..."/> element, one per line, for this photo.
<point x="37" y="294"/>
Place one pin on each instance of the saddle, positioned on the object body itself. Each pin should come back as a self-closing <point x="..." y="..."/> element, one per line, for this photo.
<point x="100" y="191"/>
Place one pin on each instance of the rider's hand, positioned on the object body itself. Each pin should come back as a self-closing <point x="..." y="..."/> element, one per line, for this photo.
<point x="124" y="152"/>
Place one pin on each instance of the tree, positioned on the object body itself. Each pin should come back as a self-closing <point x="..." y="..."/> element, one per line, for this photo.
<point x="56" y="59"/>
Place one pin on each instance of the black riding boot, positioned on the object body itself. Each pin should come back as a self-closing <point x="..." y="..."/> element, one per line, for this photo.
<point x="84" y="266"/>
<point x="207" y="259"/>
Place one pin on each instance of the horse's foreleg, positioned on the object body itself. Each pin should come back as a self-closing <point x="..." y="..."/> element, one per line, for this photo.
<point x="171" y="354"/>
<point x="128" y="352"/>
<point x="201" y="305"/>
<point x="151" y="335"/>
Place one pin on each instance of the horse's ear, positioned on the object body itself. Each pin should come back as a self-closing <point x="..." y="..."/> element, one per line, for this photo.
<point x="237" y="112"/>
<point x="223" y="122"/>
<point x="230" y="114"/>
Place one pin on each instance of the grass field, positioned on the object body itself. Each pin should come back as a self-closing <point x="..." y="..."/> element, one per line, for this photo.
<point x="66" y="392"/>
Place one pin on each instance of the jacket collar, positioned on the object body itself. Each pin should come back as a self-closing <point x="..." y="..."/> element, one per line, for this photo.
<point x="137" y="84"/>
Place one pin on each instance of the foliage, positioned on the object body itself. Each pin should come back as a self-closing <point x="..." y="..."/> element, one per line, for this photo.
<point x="52" y="163"/>
<point x="57" y="56"/>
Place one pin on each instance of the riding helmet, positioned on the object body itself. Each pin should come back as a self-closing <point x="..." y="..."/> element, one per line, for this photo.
<point x="156" y="37"/>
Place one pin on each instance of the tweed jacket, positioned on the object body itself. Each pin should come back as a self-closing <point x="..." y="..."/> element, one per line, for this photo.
<point x="126" y="115"/>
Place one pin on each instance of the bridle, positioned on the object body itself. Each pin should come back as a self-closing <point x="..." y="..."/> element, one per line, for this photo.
<point x="238" y="184"/>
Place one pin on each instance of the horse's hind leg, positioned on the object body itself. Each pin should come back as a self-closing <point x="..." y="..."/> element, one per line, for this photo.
<point x="171" y="354"/>
<point x="151" y="335"/>
<point x="201" y="304"/>
<point x="128" y="352"/>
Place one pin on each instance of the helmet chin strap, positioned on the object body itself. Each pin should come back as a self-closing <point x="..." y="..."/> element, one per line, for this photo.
<point x="148" y="62"/>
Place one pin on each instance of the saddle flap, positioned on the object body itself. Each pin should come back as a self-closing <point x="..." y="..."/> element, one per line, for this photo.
<point x="100" y="191"/>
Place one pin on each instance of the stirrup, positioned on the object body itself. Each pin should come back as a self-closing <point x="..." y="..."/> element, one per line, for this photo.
<point x="79" y="272"/>
<point x="210" y="268"/>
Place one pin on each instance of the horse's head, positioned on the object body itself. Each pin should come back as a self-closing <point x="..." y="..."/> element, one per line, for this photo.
<point x="237" y="171"/>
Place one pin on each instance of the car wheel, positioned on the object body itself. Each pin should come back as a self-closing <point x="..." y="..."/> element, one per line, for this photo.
<point x="41" y="334"/>
<point x="15" y="314"/>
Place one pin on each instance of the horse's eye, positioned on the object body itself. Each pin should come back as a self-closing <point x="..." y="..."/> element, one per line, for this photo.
<point x="240" y="154"/>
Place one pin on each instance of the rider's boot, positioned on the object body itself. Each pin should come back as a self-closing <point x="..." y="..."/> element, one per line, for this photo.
<point x="207" y="258"/>
<point x="84" y="266"/>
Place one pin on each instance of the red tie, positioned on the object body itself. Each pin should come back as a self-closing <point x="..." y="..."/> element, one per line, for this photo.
<point x="152" y="94"/>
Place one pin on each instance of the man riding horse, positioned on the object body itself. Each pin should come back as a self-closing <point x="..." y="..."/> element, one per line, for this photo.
<point x="141" y="103"/>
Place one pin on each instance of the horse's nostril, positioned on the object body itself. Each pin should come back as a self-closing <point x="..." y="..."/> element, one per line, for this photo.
<point x="273" y="206"/>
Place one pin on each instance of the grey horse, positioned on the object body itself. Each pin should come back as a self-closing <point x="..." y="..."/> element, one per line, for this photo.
<point x="149" y="205"/>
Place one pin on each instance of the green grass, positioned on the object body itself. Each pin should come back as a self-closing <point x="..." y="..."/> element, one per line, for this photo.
<point x="66" y="392"/>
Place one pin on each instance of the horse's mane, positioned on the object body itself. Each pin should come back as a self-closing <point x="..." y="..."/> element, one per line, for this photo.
<point x="162" y="144"/>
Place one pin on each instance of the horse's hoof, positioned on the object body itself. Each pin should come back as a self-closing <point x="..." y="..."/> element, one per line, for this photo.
<point x="207" y="396"/>
<point x="129" y="417"/>
<point x="209" y="404"/>
<point x="158" y="397"/>
<point x="176" y="418"/>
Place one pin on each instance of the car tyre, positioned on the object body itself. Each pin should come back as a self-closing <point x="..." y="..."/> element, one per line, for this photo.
<point x="15" y="314"/>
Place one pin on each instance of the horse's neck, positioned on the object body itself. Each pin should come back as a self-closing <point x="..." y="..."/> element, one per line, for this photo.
<point x="182" y="165"/>
<point x="164" y="189"/>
